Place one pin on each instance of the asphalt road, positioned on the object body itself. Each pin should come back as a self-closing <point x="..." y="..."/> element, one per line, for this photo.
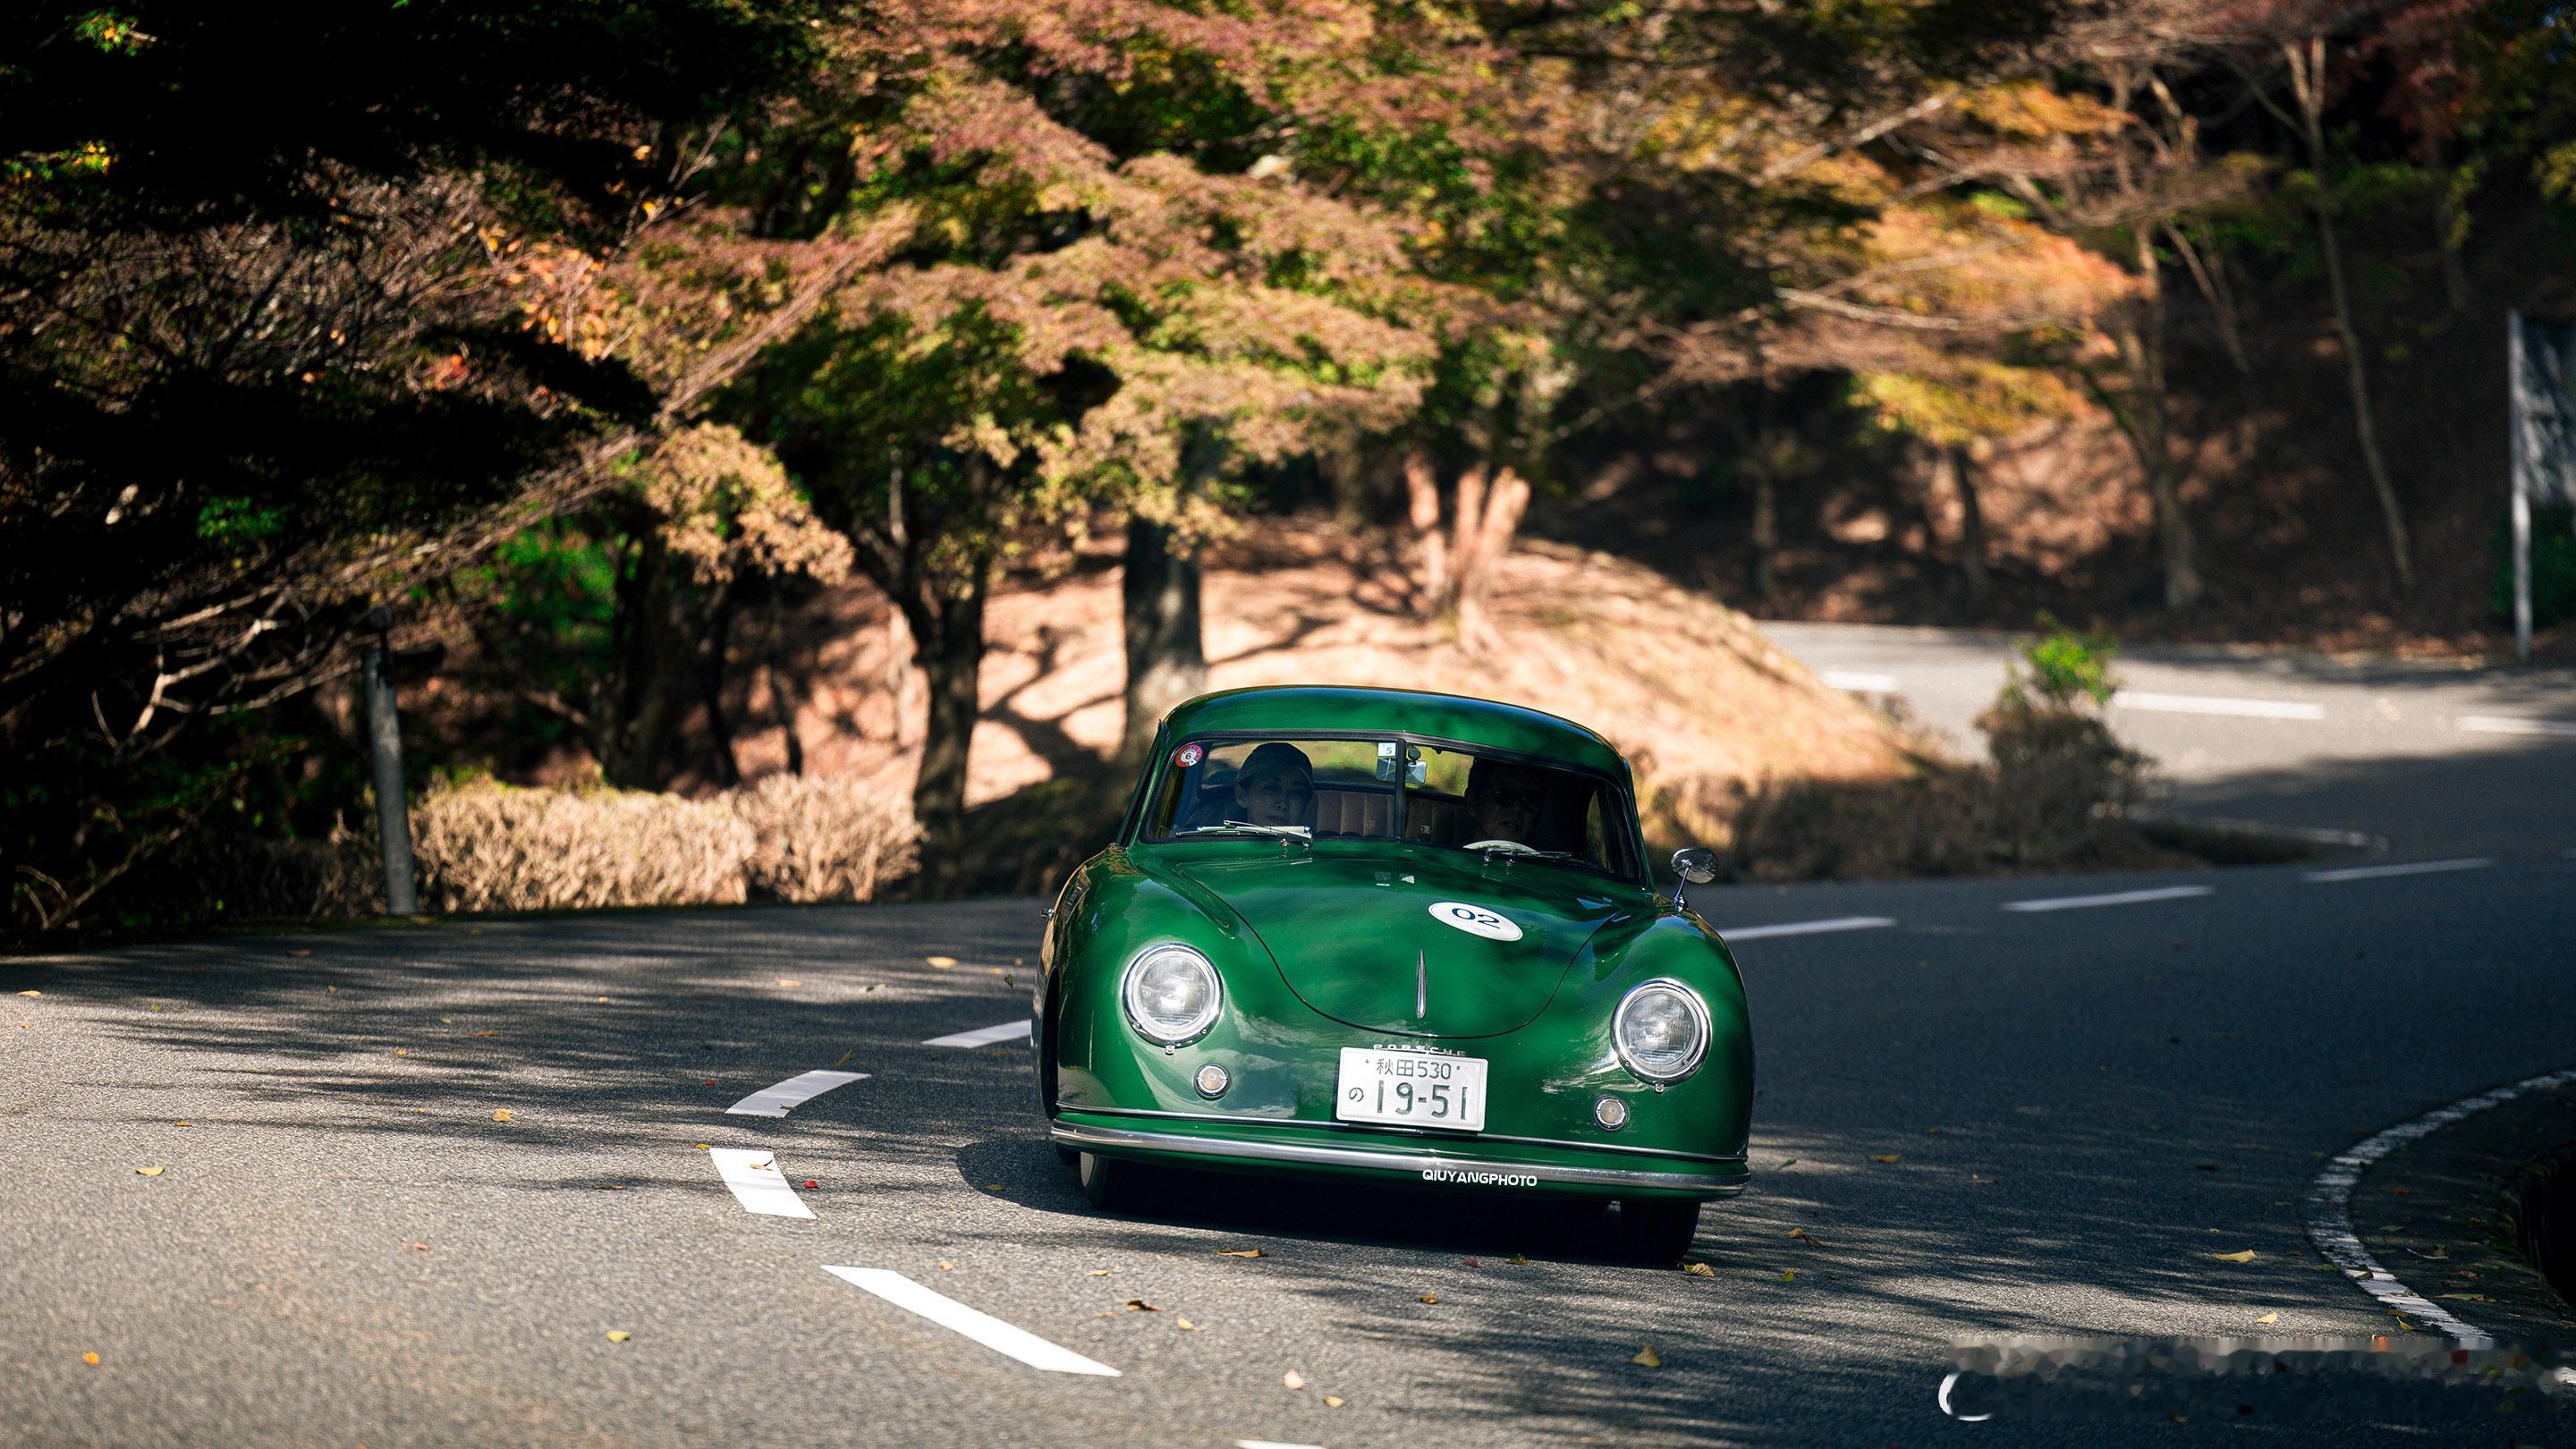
<point x="2422" y="756"/>
<point x="345" y="1244"/>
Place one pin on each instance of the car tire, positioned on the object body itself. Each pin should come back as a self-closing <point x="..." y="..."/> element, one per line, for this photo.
<point x="1069" y="1156"/>
<point x="1111" y="1185"/>
<point x="1657" y="1230"/>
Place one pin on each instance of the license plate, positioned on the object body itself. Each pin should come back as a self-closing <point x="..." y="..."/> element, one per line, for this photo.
<point x="1411" y="1089"/>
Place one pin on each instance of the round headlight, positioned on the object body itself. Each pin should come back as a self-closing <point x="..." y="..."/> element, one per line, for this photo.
<point x="1171" y="994"/>
<point x="1661" y="1031"/>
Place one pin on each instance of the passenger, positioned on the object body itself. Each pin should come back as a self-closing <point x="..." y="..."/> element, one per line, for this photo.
<point x="1504" y="802"/>
<point x="1276" y="786"/>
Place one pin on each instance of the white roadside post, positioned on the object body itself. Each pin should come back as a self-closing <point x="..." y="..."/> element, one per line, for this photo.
<point x="384" y="742"/>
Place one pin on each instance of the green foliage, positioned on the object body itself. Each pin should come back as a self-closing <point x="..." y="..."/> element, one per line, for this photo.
<point x="2553" y="567"/>
<point x="2062" y="670"/>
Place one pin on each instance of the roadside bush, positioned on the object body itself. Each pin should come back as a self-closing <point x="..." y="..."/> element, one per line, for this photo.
<point x="489" y="847"/>
<point x="2061" y="781"/>
<point x="823" y="839"/>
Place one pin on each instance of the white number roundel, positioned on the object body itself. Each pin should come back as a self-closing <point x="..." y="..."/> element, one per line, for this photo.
<point x="1475" y="920"/>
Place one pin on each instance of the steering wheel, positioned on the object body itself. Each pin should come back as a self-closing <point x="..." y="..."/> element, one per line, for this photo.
<point x="1507" y="847"/>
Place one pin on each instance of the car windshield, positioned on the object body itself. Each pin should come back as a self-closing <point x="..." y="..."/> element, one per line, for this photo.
<point x="1306" y="788"/>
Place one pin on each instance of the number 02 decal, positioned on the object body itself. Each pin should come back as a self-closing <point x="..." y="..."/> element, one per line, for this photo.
<point x="1475" y="920"/>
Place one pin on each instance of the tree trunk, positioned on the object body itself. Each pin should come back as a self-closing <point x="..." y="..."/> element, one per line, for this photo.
<point x="1975" y="584"/>
<point x="2307" y="79"/>
<point x="711" y="681"/>
<point x="1422" y="510"/>
<point x="1498" y="516"/>
<point x="657" y="663"/>
<point x="2141" y="340"/>
<point x="949" y="635"/>
<point x="1166" y="650"/>
<point x="1764" y="575"/>
<point x="2450" y="224"/>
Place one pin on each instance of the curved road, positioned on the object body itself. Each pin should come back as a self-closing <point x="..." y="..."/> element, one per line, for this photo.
<point x="347" y="1244"/>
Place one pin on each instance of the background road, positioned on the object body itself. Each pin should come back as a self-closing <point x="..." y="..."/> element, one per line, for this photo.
<point x="345" y="1246"/>
<point x="2426" y="756"/>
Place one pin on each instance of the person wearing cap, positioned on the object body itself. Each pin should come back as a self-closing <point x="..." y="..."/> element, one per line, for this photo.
<point x="1276" y="786"/>
<point x="1505" y="801"/>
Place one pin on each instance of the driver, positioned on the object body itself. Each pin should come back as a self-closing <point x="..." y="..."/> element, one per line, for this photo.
<point x="1504" y="801"/>
<point x="1276" y="786"/>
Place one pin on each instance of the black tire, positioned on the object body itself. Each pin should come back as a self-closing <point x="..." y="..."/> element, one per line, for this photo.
<point x="1111" y="1185"/>
<point x="1657" y="1230"/>
<point x="1069" y="1156"/>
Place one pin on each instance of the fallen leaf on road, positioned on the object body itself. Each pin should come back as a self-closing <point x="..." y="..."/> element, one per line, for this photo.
<point x="1293" y="1379"/>
<point x="2467" y="1297"/>
<point x="1788" y="1275"/>
<point x="88" y="1358"/>
<point x="1238" y="1252"/>
<point x="401" y="1052"/>
<point x="845" y="1057"/>
<point x="2403" y="1191"/>
<point x="1332" y="1403"/>
<point x="783" y="981"/>
<point x="1699" y="1270"/>
<point x="1427" y="1297"/>
<point x="39" y="993"/>
<point x="1931" y="1131"/>
<point x="618" y="1335"/>
<point x="992" y="1187"/>
<point x="1784" y="1163"/>
<point x="1983" y="1181"/>
<point x="709" y="1082"/>
<point x="1139" y="1305"/>
<point x="2241" y="1255"/>
<point x="1517" y="1260"/>
<point x="1810" y="1239"/>
<point x="418" y="1246"/>
<point x="1097" y="1273"/>
<point x="1470" y="1262"/>
<point x="1647" y="1357"/>
<point x="1186" y="1326"/>
<point x="947" y="1267"/>
<point x="501" y="1114"/>
<point x="487" y="1033"/>
<point x="2436" y="1255"/>
<point x="809" y="1182"/>
<point x="942" y="962"/>
<point x="2268" y="1319"/>
<point x="183" y="1122"/>
<point x="1886" y="1157"/>
<point x="149" y="1171"/>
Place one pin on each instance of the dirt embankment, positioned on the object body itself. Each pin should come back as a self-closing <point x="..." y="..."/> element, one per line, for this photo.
<point x="1688" y="688"/>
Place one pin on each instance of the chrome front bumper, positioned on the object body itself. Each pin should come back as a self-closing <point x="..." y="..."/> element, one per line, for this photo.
<point x="1425" y="1167"/>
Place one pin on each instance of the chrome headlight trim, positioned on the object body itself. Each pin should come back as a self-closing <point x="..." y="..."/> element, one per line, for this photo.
<point x="1130" y="984"/>
<point x="1661" y="985"/>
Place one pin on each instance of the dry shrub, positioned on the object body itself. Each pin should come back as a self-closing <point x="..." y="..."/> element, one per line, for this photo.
<point x="2062" y="785"/>
<point x="229" y="877"/>
<point x="492" y="847"/>
<point x="824" y="838"/>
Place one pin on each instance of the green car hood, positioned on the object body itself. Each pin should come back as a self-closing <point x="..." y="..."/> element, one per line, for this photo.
<point x="1357" y="939"/>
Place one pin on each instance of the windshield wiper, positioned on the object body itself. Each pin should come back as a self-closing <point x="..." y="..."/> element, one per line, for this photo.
<point x="1246" y="827"/>
<point x="1514" y="850"/>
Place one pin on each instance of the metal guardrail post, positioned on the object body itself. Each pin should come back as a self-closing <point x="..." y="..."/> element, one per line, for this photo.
<point x="384" y="739"/>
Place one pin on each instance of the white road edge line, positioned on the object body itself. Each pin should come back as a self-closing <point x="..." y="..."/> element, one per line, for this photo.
<point x="984" y="1328"/>
<point x="1858" y="681"/>
<point x="2116" y="898"/>
<point x="2328" y="1209"/>
<point x="1805" y="928"/>
<point x="2216" y="704"/>
<point x="2414" y="867"/>
<point x="982" y="1035"/>
<point x="2489" y="724"/>
<point x="753" y="1175"/>
<point x="788" y="1095"/>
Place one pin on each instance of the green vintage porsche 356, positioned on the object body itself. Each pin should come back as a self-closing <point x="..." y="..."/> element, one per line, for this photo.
<point x="1371" y="933"/>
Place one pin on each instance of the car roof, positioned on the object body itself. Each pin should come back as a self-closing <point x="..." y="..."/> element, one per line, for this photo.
<point x="1320" y="709"/>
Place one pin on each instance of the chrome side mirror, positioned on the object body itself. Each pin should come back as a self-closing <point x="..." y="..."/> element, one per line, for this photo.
<point x="1696" y="865"/>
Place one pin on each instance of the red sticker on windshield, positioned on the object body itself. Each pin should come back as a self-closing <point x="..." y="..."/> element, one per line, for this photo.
<point x="1189" y="755"/>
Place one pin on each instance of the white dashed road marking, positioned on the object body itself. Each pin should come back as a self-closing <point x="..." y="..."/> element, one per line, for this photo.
<point x="2329" y="1207"/>
<point x="2417" y="867"/>
<point x="1806" y="928"/>
<point x="756" y="1182"/>
<point x="2217" y="704"/>
<point x="982" y="1035"/>
<point x="788" y="1095"/>
<point x="984" y="1328"/>
<point x="2488" y="724"/>
<point x="2116" y="898"/>
<point x="1859" y="682"/>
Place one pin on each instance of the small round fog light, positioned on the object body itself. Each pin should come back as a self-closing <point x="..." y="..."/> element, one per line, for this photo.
<point x="1212" y="1080"/>
<point x="1611" y="1113"/>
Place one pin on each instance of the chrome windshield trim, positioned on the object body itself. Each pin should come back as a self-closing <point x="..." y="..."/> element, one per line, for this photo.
<point x="1422" y="1164"/>
<point x="1380" y="1129"/>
